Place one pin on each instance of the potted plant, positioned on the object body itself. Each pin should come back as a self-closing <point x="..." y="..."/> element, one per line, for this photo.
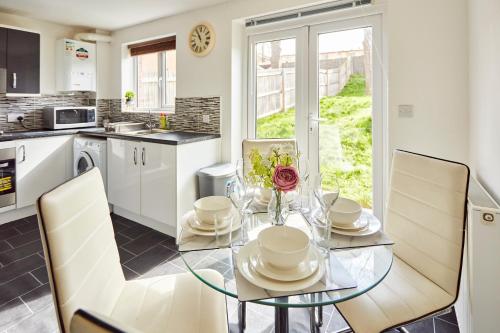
<point x="129" y="97"/>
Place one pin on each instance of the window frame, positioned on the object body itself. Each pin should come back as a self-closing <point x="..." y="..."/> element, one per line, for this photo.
<point x="162" y="85"/>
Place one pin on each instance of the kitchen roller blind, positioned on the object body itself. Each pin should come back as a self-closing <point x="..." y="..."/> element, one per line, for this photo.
<point x="152" y="46"/>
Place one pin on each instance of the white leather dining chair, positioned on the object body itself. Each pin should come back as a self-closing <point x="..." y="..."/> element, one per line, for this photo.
<point x="264" y="146"/>
<point x="425" y="217"/>
<point x="84" y="269"/>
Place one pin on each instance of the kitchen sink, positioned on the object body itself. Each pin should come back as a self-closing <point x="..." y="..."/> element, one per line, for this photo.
<point x="147" y="131"/>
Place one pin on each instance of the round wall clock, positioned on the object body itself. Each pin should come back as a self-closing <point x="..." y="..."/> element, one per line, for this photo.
<point x="201" y="39"/>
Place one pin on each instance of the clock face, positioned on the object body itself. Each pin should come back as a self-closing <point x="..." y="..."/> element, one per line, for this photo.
<point x="201" y="39"/>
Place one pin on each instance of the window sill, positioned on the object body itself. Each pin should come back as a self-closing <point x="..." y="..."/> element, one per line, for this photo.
<point x="133" y="109"/>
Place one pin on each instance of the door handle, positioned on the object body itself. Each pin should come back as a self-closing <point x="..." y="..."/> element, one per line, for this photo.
<point x="24" y="153"/>
<point x="316" y="119"/>
<point x="135" y="156"/>
<point x="14" y="80"/>
<point x="143" y="156"/>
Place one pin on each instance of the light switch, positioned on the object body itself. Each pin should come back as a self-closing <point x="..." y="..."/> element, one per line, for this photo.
<point x="206" y="118"/>
<point x="405" y="111"/>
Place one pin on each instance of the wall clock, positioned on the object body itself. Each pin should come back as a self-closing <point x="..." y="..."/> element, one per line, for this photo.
<point x="201" y="39"/>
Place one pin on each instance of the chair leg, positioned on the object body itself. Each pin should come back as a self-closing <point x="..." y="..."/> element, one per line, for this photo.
<point x="403" y="330"/>
<point x="242" y="316"/>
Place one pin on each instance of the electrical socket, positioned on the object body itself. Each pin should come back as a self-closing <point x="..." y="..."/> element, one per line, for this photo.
<point x="206" y="119"/>
<point x="12" y="116"/>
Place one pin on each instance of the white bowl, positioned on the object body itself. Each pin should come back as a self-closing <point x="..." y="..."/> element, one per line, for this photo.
<point x="283" y="247"/>
<point x="344" y="212"/>
<point x="208" y="208"/>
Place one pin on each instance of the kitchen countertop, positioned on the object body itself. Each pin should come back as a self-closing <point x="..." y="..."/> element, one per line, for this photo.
<point x="169" y="138"/>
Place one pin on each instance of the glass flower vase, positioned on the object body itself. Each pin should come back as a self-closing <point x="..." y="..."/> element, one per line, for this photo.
<point x="276" y="208"/>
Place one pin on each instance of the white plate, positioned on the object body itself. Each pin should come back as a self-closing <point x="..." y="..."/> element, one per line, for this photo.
<point x="305" y="269"/>
<point x="373" y="227"/>
<point x="358" y="225"/>
<point x="246" y="270"/>
<point x="196" y="223"/>
<point x="191" y="215"/>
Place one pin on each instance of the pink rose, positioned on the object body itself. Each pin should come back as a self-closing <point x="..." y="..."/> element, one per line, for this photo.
<point x="285" y="178"/>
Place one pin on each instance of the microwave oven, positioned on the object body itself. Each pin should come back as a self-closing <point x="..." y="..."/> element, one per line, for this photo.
<point x="69" y="117"/>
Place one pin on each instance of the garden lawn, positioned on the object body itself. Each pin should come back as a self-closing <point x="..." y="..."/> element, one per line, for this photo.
<point x="345" y="139"/>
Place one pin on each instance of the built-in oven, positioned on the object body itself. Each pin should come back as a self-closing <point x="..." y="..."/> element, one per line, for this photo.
<point x="7" y="177"/>
<point x="69" y="117"/>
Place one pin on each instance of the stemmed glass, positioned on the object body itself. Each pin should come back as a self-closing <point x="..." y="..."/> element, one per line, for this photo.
<point x="242" y="194"/>
<point x="304" y="193"/>
<point x="321" y="222"/>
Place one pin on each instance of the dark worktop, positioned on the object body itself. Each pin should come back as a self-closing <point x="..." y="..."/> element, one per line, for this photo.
<point x="169" y="138"/>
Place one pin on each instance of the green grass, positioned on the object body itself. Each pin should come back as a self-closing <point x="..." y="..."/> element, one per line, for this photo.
<point x="345" y="139"/>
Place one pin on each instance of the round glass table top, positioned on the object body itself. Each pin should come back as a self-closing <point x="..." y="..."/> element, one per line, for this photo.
<point x="367" y="266"/>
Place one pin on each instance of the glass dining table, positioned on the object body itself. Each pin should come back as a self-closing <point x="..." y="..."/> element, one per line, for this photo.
<point x="367" y="266"/>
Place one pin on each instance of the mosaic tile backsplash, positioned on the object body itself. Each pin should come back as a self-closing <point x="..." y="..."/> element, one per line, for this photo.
<point x="188" y="114"/>
<point x="32" y="107"/>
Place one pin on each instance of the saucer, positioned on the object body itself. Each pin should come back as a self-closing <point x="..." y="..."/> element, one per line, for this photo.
<point x="243" y="261"/>
<point x="358" y="225"/>
<point x="373" y="227"/>
<point x="197" y="224"/>
<point x="305" y="269"/>
<point x="189" y="216"/>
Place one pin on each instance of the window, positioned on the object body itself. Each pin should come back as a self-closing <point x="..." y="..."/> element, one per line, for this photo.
<point x="154" y="68"/>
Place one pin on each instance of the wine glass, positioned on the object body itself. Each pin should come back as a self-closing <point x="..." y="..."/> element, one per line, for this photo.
<point x="321" y="222"/>
<point x="304" y="189"/>
<point x="242" y="195"/>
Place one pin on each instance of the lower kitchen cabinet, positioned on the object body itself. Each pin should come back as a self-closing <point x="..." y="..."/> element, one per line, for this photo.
<point x="155" y="184"/>
<point x="41" y="165"/>
<point x="124" y="174"/>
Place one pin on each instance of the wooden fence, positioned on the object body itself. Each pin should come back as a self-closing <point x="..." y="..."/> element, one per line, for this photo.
<point x="276" y="87"/>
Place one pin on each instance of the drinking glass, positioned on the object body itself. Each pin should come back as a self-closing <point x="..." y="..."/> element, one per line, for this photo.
<point x="223" y="226"/>
<point x="323" y="201"/>
<point x="304" y="190"/>
<point x="242" y="195"/>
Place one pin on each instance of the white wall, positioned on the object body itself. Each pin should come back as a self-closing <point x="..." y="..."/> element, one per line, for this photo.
<point x="484" y="21"/>
<point x="427" y="67"/>
<point x="207" y="76"/>
<point x="49" y="33"/>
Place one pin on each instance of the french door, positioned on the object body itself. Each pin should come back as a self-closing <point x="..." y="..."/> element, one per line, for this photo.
<point x="322" y="84"/>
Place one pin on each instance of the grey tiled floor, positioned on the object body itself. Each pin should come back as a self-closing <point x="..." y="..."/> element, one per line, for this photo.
<point x="26" y="302"/>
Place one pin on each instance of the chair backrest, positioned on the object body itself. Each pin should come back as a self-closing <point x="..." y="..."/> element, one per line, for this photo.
<point x="91" y="322"/>
<point x="264" y="146"/>
<point x="426" y="216"/>
<point x="79" y="245"/>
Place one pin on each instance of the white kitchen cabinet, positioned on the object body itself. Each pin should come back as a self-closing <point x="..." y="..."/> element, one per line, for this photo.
<point x="41" y="165"/>
<point x="124" y="174"/>
<point x="157" y="181"/>
<point x="161" y="186"/>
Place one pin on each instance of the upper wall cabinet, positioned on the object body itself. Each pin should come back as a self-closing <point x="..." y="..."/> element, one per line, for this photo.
<point x="20" y="57"/>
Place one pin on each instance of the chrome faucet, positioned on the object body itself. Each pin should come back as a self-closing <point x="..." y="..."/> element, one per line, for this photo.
<point x="150" y="125"/>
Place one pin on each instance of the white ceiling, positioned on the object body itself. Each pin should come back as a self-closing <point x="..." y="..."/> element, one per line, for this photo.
<point x="101" y="14"/>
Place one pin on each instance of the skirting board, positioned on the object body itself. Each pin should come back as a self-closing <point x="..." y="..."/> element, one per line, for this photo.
<point x="158" y="226"/>
<point x="17" y="214"/>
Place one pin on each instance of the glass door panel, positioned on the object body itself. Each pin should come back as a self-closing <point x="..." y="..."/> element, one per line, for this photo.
<point x="275" y="87"/>
<point x="345" y="139"/>
<point x="345" y="112"/>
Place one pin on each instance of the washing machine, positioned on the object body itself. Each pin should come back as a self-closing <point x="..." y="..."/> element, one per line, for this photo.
<point x="89" y="153"/>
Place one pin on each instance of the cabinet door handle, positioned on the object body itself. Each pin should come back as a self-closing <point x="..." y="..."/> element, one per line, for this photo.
<point x="14" y="80"/>
<point x="143" y="156"/>
<point x="135" y="156"/>
<point x="24" y="153"/>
